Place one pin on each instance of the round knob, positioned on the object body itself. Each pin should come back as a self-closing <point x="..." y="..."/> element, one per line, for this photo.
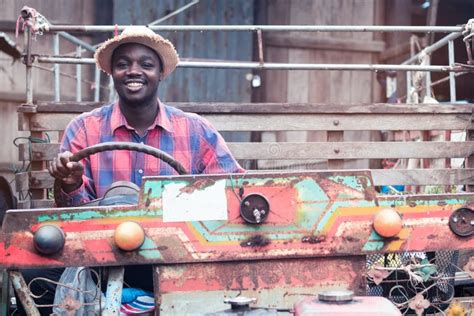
<point x="49" y="239"/>
<point x="336" y="296"/>
<point x="388" y="223"/>
<point x="129" y="236"/>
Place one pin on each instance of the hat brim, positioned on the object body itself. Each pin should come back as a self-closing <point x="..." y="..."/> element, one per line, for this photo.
<point x="163" y="47"/>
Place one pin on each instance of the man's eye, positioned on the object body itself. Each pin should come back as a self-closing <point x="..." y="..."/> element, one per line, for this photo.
<point x="148" y="65"/>
<point x="121" y="65"/>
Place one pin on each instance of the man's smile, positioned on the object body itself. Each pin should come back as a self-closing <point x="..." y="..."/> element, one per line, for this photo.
<point x="134" y="85"/>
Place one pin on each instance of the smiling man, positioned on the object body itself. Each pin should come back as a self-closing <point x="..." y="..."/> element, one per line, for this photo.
<point x="137" y="60"/>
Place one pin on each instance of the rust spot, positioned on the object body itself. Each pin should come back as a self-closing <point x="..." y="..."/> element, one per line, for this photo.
<point x="431" y="236"/>
<point x="198" y="185"/>
<point x="162" y="248"/>
<point x="313" y="239"/>
<point x="148" y="200"/>
<point x="255" y="241"/>
<point x="442" y="203"/>
<point x="269" y="182"/>
<point x="351" y="239"/>
<point x="412" y="204"/>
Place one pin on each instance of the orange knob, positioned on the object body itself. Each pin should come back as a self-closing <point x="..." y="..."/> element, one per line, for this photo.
<point x="129" y="236"/>
<point x="388" y="222"/>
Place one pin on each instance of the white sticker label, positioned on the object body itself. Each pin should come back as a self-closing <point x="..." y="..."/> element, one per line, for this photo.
<point x="206" y="204"/>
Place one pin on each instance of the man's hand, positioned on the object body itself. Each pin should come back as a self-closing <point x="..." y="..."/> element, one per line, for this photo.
<point x="67" y="171"/>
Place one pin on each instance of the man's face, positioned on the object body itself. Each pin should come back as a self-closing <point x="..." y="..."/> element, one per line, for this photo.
<point x="136" y="73"/>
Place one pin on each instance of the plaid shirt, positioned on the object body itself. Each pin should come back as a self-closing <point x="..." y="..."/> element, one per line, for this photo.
<point x="187" y="137"/>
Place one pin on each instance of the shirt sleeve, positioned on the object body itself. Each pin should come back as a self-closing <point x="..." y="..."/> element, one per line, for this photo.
<point x="74" y="139"/>
<point x="214" y="155"/>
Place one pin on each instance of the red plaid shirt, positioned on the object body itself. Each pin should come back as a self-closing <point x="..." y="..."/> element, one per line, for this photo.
<point x="187" y="137"/>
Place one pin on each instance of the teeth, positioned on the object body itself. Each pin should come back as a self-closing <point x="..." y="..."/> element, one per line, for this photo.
<point x="134" y="84"/>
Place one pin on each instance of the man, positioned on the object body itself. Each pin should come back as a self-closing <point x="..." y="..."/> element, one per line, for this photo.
<point x="137" y="60"/>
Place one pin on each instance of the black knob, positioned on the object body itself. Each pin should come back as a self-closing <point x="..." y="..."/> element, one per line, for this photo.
<point x="49" y="239"/>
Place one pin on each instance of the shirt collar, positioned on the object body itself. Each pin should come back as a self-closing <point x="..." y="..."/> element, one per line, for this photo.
<point x="162" y="120"/>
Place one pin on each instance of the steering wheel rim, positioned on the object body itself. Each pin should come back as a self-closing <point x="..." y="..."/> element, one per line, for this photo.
<point x="108" y="146"/>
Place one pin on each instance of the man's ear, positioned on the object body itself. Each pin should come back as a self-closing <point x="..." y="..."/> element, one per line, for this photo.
<point x="160" y="77"/>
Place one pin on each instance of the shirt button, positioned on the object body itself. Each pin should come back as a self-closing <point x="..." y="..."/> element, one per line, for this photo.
<point x="140" y="171"/>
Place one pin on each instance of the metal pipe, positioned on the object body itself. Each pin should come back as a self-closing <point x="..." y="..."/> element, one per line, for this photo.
<point x="57" y="78"/>
<point x="29" y="67"/>
<point x="77" y="41"/>
<point x="427" y="62"/>
<point x="23" y="293"/>
<point x="430" y="49"/>
<point x="279" y="66"/>
<point x="78" y="76"/>
<point x="452" y="77"/>
<point x="111" y="89"/>
<point x="97" y="84"/>
<point x="408" y="74"/>
<point x="267" y="28"/>
<point x="166" y="17"/>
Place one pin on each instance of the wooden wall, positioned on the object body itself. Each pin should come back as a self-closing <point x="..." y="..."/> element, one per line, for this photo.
<point x="331" y="87"/>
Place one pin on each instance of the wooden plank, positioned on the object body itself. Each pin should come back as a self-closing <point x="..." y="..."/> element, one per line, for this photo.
<point x="49" y="121"/>
<point x="337" y="136"/>
<point x="351" y="150"/>
<point x="23" y="204"/>
<point x="307" y="41"/>
<point x="317" y="150"/>
<point x="36" y="166"/>
<point x="336" y="122"/>
<point x="272" y="107"/>
<point x="423" y="176"/>
<point x="43" y="203"/>
<point x="470" y="159"/>
<point x="39" y="151"/>
<point x="41" y="179"/>
<point x="299" y="122"/>
<point x="22" y="180"/>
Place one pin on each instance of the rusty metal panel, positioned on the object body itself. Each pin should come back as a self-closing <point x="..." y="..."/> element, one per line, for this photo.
<point x="199" y="85"/>
<point x="277" y="284"/>
<point x="312" y="214"/>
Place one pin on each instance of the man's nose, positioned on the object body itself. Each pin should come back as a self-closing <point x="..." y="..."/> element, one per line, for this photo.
<point x="134" y="69"/>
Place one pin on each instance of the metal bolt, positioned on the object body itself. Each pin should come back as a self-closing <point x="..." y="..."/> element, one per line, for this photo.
<point x="335" y="122"/>
<point x="256" y="214"/>
<point x="455" y="219"/>
<point x="246" y="203"/>
<point x="336" y="150"/>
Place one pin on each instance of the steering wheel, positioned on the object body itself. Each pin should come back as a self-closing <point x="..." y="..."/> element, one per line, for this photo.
<point x="108" y="146"/>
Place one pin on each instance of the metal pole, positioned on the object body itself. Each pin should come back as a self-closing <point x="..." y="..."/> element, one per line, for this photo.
<point x="111" y="89"/>
<point x="78" y="76"/>
<point x="183" y="8"/>
<point x="266" y="28"/>
<point x="452" y="77"/>
<point x="29" y="67"/>
<point x="429" y="49"/>
<point x="428" y="78"/>
<point x="23" y="293"/>
<point x="409" y="100"/>
<point x="279" y="66"/>
<point x="97" y="84"/>
<point x="57" y="82"/>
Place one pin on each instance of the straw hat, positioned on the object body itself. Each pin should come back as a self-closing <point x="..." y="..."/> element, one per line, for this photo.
<point x="141" y="35"/>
